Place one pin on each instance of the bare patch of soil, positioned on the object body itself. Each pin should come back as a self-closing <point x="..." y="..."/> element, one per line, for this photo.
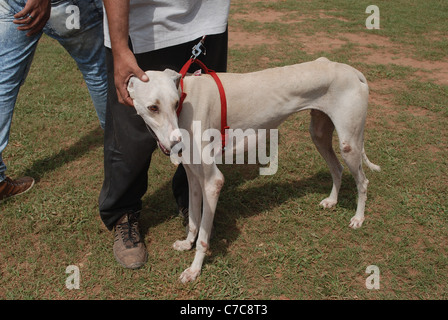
<point x="373" y="48"/>
<point x="249" y="39"/>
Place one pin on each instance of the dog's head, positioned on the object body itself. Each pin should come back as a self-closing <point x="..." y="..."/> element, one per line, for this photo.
<point x="156" y="102"/>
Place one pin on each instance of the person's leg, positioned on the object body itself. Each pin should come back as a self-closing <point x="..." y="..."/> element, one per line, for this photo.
<point x="85" y="45"/>
<point x="128" y="148"/>
<point x="16" y="55"/>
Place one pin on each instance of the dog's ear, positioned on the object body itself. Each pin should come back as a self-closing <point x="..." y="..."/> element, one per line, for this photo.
<point x="174" y="76"/>
<point x="131" y="85"/>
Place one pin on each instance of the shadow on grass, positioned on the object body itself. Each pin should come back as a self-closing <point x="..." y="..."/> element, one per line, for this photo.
<point x="93" y="139"/>
<point x="235" y="204"/>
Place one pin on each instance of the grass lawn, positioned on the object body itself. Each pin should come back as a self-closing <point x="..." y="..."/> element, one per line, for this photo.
<point x="271" y="239"/>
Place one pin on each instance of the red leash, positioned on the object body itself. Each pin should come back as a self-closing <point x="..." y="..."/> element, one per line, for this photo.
<point x="222" y="94"/>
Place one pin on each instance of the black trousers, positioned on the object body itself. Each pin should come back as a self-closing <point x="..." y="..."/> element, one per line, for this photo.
<point x="128" y="145"/>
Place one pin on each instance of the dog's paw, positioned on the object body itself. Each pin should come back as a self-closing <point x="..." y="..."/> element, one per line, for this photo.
<point x="189" y="275"/>
<point x="356" y="222"/>
<point x="182" y="245"/>
<point x="328" y="203"/>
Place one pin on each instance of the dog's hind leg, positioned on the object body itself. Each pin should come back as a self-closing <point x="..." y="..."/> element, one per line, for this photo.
<point x="321" y="130"/>
<point x="351" y="136"/>
<point x="211" y="188"/>
<point x="194" y="207"/>
<point x="353" y="159"/>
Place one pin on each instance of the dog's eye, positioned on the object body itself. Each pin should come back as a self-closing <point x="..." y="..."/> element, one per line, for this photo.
<point x="153" y="108"/>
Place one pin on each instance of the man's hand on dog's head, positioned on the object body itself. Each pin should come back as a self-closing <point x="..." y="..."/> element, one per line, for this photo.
<point x="125" y="66"/>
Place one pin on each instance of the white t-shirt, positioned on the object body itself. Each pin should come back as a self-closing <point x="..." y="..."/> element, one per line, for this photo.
<point x="157" y="24"/>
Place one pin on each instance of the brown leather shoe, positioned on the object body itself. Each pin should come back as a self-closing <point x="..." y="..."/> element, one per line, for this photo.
<point x="129" y="249"/>
<point x="10" y="188"/>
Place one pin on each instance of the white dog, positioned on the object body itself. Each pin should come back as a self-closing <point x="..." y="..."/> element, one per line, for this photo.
<point x="336" y="94"/>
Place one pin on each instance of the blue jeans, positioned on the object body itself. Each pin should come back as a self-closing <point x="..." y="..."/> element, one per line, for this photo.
<point x="85" y="45"/>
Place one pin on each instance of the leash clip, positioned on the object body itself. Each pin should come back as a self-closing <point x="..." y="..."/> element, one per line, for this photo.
<point x="198" y="49"/>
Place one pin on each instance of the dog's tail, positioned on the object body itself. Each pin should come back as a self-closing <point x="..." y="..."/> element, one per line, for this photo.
<point x="371" y="165"/>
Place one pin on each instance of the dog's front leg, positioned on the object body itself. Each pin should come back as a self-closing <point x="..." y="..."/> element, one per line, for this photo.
<point x="194" y="208"/>
<point x="211" y="188"/>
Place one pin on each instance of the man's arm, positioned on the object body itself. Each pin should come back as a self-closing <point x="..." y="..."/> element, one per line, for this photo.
<point x="125" y="64"/>
<point x="33" y="16"/>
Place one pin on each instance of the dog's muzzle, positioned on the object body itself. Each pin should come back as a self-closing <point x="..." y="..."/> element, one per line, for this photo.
<point x="164" y="149"/>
